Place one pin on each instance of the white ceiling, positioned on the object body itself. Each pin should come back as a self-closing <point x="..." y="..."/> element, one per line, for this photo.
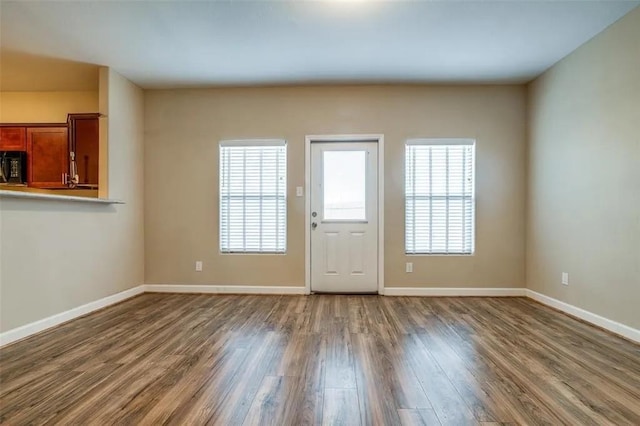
<point x="207" y="43"/>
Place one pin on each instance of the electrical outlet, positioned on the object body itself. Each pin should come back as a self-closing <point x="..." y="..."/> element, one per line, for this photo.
<point x="409" y="267"/>
<point x="198" y="265"/>
<point x="565" y="278"/>
<point x="299" y="191"/>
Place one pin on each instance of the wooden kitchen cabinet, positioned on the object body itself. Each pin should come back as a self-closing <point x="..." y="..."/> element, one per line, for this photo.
<point x="84" y="138"/>
<point x="56" y="152"/>
<point x="47" y="156"/>
<point x="13" y="139"/>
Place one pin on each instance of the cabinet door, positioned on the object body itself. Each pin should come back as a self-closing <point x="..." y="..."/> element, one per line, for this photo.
<point x="47" y="156"/>
<point x="86" y="137"/>
<point x="13" y="139"/>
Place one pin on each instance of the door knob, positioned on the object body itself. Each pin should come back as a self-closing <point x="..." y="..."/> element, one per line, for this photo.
<point x="314" y="225"/>
<point x="314" y="214"/>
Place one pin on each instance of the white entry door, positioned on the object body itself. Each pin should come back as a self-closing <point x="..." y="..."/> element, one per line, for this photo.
<point x="344" y="217"/>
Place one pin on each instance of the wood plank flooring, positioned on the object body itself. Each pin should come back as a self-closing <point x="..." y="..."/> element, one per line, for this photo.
<point x="330" y="360"/>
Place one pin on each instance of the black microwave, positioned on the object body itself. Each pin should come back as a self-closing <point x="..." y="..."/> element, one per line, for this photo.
<point x="13" y="167"/>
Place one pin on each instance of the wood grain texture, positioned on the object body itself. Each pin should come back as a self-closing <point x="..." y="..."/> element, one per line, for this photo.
<point x="331" y="360"/>
<point x="47" y="156"/>
<point x="13" y="139"/>
<point x="84" y="139"/>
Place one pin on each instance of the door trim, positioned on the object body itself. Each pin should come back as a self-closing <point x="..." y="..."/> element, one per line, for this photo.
<point x="309" y="139"/>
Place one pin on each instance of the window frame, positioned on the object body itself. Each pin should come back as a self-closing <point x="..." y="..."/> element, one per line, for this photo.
<point x="248" y="143"/>
<point x="444" y="142"/>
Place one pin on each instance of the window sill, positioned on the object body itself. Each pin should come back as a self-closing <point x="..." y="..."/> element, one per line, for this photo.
<point x="439" y="254"/>
<point x="253" y="253"/>
<point x="38" y="196"/>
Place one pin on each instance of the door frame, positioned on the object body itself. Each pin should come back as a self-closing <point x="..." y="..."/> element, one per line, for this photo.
<point x="309" y="139"/>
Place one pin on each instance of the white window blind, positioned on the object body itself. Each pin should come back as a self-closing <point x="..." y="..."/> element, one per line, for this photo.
<point x="253" y="196"/>
<point x="439" y="196"/>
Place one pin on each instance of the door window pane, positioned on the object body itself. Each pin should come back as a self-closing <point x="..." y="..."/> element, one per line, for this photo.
<point x="344" y="185"/>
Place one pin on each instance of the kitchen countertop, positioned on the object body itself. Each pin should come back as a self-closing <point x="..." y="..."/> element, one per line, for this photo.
<point x="5" y="193"/>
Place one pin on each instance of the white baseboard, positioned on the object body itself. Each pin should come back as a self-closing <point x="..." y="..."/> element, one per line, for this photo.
<point x="613" y="326"/>
<point x="453" y="292"/>
<point x="27" y="330"/>
<point x="222" y="289"/>
<point x="46" y="323"/>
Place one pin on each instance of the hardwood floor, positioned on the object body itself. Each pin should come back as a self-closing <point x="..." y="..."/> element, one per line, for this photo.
<point x="332" y="360"/>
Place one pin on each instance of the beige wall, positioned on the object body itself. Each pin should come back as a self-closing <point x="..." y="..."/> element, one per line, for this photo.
<point x="584" y="176"/>
<point x="59" y="255"/>
<point x="183" y="127"/>
<point x="20" y="71"/>
<point x="45" y="107"/>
